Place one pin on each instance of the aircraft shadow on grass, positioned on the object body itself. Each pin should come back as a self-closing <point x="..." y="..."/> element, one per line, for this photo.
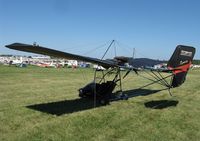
<point x="70" y="106"/>
<point x="160" y="104"/>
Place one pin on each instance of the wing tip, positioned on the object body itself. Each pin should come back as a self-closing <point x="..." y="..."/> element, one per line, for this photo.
<point x="14" y="45"/>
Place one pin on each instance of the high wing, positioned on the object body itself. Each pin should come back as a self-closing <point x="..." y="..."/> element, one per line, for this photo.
<point x="59" y="54"/>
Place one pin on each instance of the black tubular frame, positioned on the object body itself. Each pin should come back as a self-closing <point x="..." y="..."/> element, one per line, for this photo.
<point x="158" y="78"/>
<point x="117" y="79"/>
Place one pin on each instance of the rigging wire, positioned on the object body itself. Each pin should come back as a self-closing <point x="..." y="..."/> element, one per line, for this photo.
<point x="130" y="49"/>
<point x="95" y="49"/>
<point x="92" y="50"/>
<point x="80" y="49"/>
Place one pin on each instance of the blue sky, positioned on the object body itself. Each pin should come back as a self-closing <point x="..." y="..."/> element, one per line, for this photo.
<point x="152" y="27"/>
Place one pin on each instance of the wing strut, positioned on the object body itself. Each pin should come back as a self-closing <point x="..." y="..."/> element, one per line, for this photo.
<point x="103" y="77"/>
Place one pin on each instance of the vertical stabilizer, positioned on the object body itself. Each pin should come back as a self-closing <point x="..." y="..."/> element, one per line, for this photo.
<point x="180" y="63"/>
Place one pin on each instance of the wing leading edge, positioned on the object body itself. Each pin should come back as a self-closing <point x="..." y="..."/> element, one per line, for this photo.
<point x="59" y="54"/>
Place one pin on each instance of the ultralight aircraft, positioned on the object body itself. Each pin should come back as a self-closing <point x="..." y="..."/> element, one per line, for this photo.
<point x="102" y="90"/>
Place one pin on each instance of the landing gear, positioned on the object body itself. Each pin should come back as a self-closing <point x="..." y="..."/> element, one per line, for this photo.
<point x="124" y="97"/>
<point x="102" y="91"/>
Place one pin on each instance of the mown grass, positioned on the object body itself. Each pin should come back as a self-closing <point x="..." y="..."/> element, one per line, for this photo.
<point x="63" y="116"/>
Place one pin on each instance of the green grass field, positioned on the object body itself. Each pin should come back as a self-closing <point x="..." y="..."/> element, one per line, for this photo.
<point x="43" y="104"/>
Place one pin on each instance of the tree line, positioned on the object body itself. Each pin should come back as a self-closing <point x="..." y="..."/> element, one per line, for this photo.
<point x="196" y="62"/>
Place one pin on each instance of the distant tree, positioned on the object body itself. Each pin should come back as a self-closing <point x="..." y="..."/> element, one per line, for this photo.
<point x="196" y="62"/>
<point x="6" y="55"/>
